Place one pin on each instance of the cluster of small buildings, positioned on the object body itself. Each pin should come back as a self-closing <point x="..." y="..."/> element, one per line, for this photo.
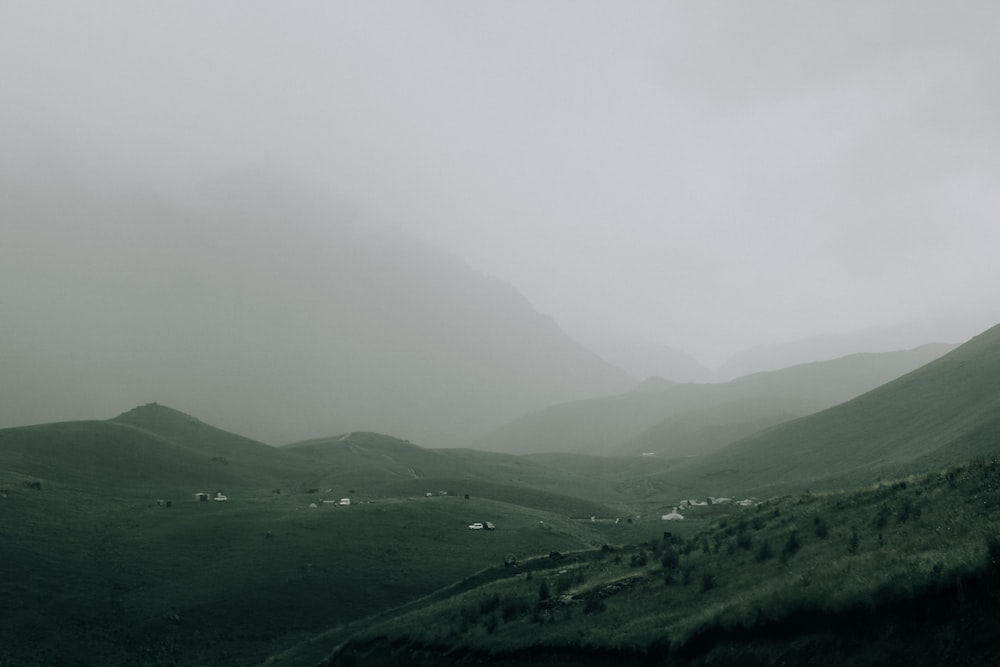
<point x="343" y="502"/>
<point x="203" y="497"/>
<point x="675" y="515"/>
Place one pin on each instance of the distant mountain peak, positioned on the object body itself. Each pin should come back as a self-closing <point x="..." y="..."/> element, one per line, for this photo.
<point x="354" y="439"/>
<point x="152" y="413"/>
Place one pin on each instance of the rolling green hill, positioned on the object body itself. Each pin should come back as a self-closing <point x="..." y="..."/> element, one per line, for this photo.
<point x="151" y="449"/>
<point x="943" y="413"/>
<point x="369" y="459"/>
<point x="132" y="581"/>
<point x="684" y="419"/>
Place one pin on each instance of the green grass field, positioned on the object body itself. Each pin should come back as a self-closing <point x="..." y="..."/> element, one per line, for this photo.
<point x="124" y="581"/>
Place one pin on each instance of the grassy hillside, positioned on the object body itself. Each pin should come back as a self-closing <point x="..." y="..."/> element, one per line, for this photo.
<point x="907" y="571"/>
<point x="683" y="419"/>
<point x="150" y="449"/>
<point x="946" y="411"/>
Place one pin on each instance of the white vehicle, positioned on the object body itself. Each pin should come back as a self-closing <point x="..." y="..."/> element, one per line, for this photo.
<point x="476" y="526"/>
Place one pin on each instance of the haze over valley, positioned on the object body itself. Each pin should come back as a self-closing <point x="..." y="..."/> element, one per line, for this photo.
<point x="451" y="333"/>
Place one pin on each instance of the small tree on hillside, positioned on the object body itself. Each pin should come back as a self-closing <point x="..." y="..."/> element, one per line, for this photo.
<point x="764" y="552"/>
<point x="792" y="544"/>
<point x="543" y="591"/>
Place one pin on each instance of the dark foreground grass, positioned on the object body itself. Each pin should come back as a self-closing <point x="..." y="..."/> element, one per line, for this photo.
<point x="90" y="579"/>
<point x="788" y="567"/>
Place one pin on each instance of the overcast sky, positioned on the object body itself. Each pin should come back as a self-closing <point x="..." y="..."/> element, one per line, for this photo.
<point x="707" y="175"/>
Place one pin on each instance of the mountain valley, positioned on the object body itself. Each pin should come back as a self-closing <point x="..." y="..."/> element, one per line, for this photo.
<point x="359" y="548"/>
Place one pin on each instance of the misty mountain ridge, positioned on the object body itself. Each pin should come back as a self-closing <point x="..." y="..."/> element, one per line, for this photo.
<point x="673" y="419"/>
<point x="903" y="336"/>
<point x="939" y="414"/>
<point x="645" y="359"/>
<point x="282" y="326"/>
<point x="253" y="294"/>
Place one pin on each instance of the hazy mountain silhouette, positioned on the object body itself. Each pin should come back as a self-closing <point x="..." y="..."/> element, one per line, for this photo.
<point x="267" y="311"/>
<point x="822" y="348"/>
<point x="944" y="413"/>
<point x="643" y="359"/>
<point x="681" y="419"/>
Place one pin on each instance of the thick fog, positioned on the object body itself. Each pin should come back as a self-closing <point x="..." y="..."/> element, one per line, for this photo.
<point x="705" y="177"/>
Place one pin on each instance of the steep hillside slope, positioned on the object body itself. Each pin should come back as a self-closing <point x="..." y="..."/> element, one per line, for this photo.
<point x="908" y="571"/>
<point x="277" y="315"/>
<point x="943" y="413"/>
<point x="681" y="419"/>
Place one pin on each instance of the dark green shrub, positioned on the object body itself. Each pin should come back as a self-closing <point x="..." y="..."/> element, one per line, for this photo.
<point x="707" y="581"/>
<point x="491" y="623"/>
<point x="669" y="559"/>
<point x="489" y="604"/>
<point x="908" y="511"/>
<point x="656" y="547"/>
<point x="543" y="590"/>
<point x="820" y="527"/>
<point x="469" y="614"/>
<point x="514" y="607"/>
<point x="764" y="552"/>
<point x="744" y="540"/>
<point x="594" y="605"/>
<point x="792" y="544"/>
